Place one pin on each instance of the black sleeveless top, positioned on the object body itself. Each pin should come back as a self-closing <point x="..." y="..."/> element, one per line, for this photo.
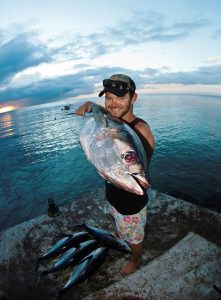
<point x="125" y="202"/>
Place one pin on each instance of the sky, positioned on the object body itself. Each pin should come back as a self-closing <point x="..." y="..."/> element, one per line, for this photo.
<point x="52" y="50"/>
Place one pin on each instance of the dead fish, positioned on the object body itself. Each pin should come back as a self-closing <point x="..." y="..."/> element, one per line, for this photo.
<point x="116" y="151"/>
<point x="62" y="245"/>
<point x="106" y="237"/>
<point x="72" y="256"/>
<point x="85" y="268"/>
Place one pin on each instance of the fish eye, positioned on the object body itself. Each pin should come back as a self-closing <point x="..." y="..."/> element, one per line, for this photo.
<point x="129" y="156"/>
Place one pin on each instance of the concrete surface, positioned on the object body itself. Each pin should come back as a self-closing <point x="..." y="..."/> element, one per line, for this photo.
<point x="186" y="271"/>
<point x="170" y="220"/>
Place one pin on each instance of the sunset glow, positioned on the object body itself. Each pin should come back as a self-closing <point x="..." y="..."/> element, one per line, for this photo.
<point x="6" y="109"/>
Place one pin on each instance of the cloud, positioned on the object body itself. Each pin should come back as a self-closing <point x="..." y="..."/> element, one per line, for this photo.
<point x="157" y="29"/>
<point x="48" y="89"/>
<point x="216" y="34"/>
<point x="20" y="53"/>
<point x="25" y="50"/>
<point x="203" y="75"/>
<point x="214" y="59"/>
<point x="85" y="82"/>
<point x="138" y="30"/>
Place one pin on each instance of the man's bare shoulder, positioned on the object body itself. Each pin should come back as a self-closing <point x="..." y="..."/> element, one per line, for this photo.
<point x="145" y="130"/>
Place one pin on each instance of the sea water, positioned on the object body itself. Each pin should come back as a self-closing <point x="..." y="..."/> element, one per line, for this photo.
<point x="40" y="154"/>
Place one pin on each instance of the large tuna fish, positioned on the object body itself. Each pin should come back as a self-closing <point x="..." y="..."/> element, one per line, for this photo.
<point x="116" y="151"/>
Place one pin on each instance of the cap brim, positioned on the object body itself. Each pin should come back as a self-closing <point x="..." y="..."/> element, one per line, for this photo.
<point x="101" y="93"/>
<point x="113" y="90"/>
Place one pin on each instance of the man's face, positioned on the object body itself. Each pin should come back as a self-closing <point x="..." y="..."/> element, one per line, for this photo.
<point x="118" y="106"/>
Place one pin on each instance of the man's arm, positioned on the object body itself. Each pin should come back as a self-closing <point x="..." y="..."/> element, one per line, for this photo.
<point x="86" y="107"/>
<point x="144" y="129"/>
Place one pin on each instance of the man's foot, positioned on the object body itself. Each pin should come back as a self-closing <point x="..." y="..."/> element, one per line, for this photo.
<point x="130" y="267"/>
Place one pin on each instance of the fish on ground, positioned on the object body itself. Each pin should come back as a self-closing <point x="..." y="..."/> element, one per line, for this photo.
<point x="106" y="237"/>
<point x="116" y="151"/>
<point x="63" y="244"/>
<point x="85" y="268"/>
<point x="71" y="257"/>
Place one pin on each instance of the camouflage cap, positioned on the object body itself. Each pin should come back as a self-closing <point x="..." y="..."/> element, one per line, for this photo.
<point x="118" y="84"/>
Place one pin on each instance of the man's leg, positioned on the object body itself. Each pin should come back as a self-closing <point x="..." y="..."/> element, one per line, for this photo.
<point x="131" y="228"/>
<point x="135" y="259"/>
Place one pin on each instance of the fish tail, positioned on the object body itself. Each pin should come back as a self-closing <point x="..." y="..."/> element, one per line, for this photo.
<point x="39" y="279"/>
<point x="36" y="265"/>
<point x="217" y="289"/>
<point x="46" y="272"/>
<point x="59" y="295"/>
<point x="41" y="274"/>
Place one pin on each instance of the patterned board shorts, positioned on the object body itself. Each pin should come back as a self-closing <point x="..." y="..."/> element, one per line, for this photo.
<point x="130" y="227"/>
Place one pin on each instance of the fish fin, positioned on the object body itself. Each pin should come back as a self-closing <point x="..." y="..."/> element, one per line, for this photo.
<point x="41" y="274"/>
<point x="47" y="271"/>
<point x="98" y="115"/>
<point x="63" y="235"/>
<point x="39" y="279"/>
<point x="66" y="273"/>
<point x="36" y="265"/>
<point x="87" y="257"/>
<point x="85" y="282"/>
<point x="78" y="225"/>
<point x="57" y="258"/>
<point x="217" y="289"/>
<point x="67" y="269"/>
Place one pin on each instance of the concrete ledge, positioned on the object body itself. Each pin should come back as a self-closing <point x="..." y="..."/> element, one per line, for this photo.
<point x="187" y="271"/>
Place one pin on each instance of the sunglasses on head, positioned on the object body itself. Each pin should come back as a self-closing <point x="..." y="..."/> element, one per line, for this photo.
<point x="117" y="84"/>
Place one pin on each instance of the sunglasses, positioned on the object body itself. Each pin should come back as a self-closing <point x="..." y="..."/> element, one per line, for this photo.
<point x="117" y="84"/>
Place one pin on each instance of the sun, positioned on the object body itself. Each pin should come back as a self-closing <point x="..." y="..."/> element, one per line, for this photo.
<point x="6" y="109"/>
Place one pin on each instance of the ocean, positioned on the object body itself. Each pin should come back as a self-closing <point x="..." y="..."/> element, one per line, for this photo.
<point x="40" y="154"/>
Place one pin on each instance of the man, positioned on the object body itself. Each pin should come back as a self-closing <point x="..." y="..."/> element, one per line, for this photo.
<point x="128" y="209"/>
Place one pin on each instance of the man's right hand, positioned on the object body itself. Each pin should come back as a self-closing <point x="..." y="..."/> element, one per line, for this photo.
<point x="84" y="108"/>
